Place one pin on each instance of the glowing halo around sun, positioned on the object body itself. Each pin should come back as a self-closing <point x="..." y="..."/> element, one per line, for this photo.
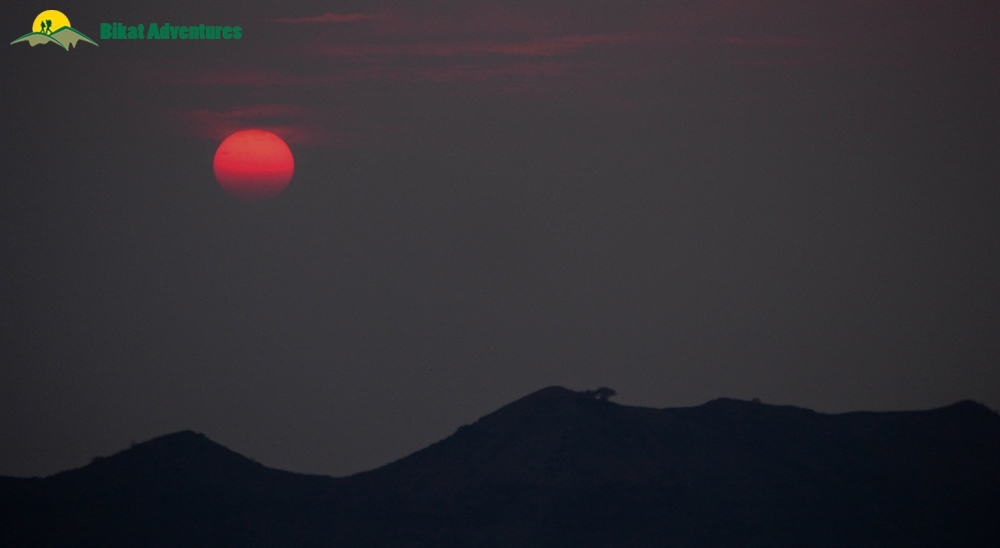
<point x="253" y="165"/>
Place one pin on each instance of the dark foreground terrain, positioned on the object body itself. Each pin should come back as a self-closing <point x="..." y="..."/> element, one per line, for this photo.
<point x="557" y="468"/>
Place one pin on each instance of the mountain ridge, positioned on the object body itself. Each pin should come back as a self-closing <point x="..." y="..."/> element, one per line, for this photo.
<point x="558" y="467"/>
<point x="191" y="439"/>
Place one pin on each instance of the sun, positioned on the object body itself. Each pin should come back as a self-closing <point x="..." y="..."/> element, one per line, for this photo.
<point x="253" y="165"/>
<point x="58" y="21"/>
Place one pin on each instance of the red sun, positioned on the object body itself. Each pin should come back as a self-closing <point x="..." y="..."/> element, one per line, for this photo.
<point x="253" y="165"/>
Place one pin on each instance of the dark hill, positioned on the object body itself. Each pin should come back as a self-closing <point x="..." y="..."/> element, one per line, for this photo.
<point x="558" y="468"/>
<point x="176" y="490"/>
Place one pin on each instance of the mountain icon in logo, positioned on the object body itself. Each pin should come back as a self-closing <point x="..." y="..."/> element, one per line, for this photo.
<point x="42" y="31"/>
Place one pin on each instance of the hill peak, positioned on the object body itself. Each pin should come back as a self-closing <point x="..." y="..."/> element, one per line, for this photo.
<point x="181" y="452"/>
<point x="560" y="393"/>
<point x="178" y="439"/>
<point x="552" y="393"/>
<point x="553" y="399"/>
<point x="185" y="441"/>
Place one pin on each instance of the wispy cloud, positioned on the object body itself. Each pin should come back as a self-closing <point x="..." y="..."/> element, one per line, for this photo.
<point x="784" y="42"/>
<point x="328" y="17"/>
<point x="295" y="124"/>
<point x="541" y="47"/>
<point x="247" y="76"/>
<point x="583" y="54"/>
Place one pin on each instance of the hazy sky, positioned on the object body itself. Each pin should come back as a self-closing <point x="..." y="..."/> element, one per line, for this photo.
<point x="798" y="202"/>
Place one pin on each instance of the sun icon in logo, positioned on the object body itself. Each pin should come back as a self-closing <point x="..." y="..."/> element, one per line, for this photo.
<point x="50" y="21"/>
<point x="53" y="26"/>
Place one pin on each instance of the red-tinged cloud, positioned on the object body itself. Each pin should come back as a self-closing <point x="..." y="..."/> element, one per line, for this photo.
<point x="477" y="73"/>
<point x="526" y="73"/>
<point x="783" y="42"/>
<point x="590" y="55"/>
<point x="294" y="124"/>
<point x="541" y="47"/>
<point x="179" y="76"/>
<point x="328" y="17"/>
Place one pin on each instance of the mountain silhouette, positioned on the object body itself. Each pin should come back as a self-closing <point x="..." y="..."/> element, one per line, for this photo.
<point x="557" y="468"/>
<point x="65" y="37"/>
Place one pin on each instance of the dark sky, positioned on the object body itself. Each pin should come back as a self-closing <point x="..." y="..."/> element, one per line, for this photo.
<point x="798" y="202"/>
